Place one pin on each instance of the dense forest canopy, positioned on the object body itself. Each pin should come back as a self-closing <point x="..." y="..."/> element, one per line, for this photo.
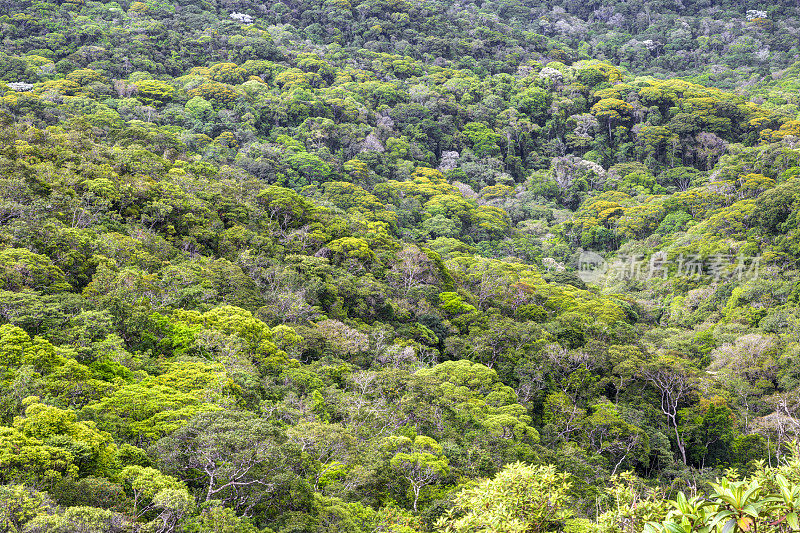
<point x="722" y="42"/>
<point x="399" y="266"/>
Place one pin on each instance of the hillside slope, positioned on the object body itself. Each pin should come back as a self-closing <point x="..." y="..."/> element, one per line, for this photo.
<point x="256" y="274"/>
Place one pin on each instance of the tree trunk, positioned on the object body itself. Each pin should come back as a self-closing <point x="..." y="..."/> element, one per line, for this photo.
<point x="681" y="447"/>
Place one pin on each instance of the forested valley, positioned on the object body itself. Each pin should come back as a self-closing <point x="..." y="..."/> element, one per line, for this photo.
<point x="399" y="266"/>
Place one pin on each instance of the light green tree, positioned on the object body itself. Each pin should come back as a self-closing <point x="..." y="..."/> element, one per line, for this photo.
<point x="521" y="498"/>
<point x="420" y="461"/>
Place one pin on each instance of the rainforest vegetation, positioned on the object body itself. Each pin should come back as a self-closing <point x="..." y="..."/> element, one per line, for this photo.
<point x="399" y="266"/>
